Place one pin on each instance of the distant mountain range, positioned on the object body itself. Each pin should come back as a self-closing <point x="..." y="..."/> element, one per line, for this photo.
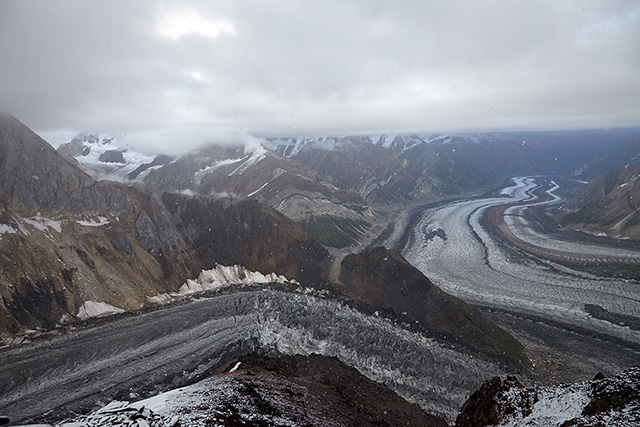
<point x="332" y="186"/>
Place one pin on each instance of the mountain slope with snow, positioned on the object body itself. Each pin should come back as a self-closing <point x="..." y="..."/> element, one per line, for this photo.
<point x="102" y="158"/>
<point x="612" y="401"/>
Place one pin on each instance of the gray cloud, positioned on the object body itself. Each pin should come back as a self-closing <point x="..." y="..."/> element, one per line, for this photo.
<point x="320" y="67"/>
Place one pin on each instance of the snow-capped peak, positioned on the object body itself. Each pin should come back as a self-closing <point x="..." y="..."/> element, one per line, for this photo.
<point x="101" y="157"/>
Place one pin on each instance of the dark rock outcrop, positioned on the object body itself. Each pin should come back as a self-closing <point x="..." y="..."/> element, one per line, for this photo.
<point x="250" y="234"/>
<point x="385" y="280"/>
<point x="112" y="156"/>
<point x="337" y="392"/>
<point x="487" y="406"/>
<point x="614" y="393"/>
<point x="613" y="401"/>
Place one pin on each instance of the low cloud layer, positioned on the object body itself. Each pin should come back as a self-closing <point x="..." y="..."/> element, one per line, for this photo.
<point x="283" y="67"/>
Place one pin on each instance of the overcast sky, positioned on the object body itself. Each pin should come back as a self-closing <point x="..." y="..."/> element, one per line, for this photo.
<point x="319" y="67"/>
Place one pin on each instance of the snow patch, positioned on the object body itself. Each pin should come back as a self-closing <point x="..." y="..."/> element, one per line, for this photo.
<point x="258" y="190"/>
<point x="41" y="224"/>
<point x="554" y="406"/>
<point x="212" y="167"/>
<point x="94" y="222"/>
<point x="7" y="229"/>
<point x="97" y="309"/>
<point x="220" y="277"/>
<point x="258" y="155"/>
<point x="223" y="276"/>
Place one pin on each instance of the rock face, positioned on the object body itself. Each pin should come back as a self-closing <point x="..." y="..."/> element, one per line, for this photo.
<point x="332" y="216"/>
<point x="613" y="401"/>
<point x="32" y="174"/>
<point x="247" y="233"/>
<point x="385" y="280"/>
<point x="354" y="164"/>
<point x="112" y="156"/>
<point x="610" y="204"/>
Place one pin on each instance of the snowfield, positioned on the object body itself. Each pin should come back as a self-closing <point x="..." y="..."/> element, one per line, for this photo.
<point x="97" y="309"/>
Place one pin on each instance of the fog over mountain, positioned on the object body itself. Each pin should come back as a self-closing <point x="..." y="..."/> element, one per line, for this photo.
<point x="316" y="69"/>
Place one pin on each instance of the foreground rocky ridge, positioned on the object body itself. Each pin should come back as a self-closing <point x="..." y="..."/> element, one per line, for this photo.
<point x="290" y="390"/>
<point x="613" y="401"/>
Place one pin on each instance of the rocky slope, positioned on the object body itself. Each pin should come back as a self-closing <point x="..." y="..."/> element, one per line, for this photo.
<point x="396" y="286"/>
<point x="618" y="159"/>
<point x="108" y="243"/>
<point x="609" y="205"/>
<point x="373" y="172"/>
<point x="332" y="216"/>
<point x="613" y="401"/>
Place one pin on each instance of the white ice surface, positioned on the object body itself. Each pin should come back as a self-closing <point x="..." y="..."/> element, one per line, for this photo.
<point x="97" y="309"/>
<point x="94" y="222"/>
<point x="554" y="406"/>
<point x="217" y="278"/>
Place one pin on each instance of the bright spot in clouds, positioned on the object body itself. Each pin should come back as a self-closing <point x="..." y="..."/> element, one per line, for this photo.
<point x="317" y="68"/>
<point x="190" y="22"/>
